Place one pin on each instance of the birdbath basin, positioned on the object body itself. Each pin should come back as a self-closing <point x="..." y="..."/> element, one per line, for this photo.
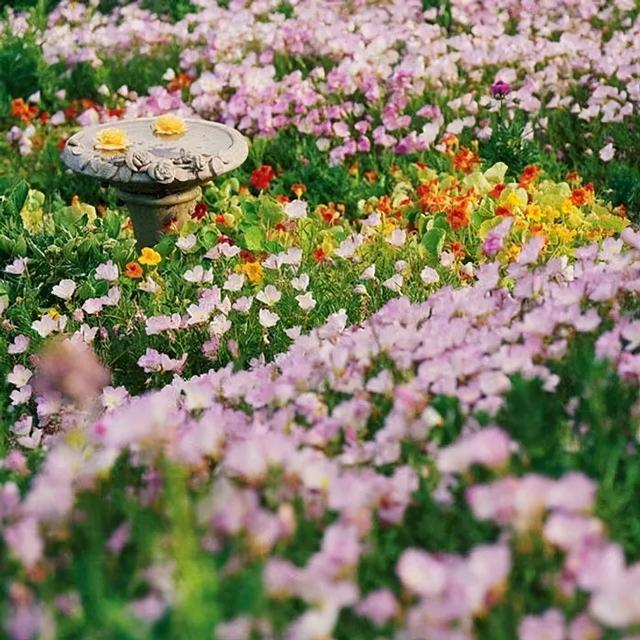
<point x="157" y="165"/>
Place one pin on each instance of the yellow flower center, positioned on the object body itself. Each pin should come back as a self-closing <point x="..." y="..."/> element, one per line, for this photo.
<point x="111" y="140"/>
<point x="169" y="125"/>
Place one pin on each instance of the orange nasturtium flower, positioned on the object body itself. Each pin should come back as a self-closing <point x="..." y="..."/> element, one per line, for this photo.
<point x="149" y="257"/>
<point x="20" y="109"/>
<point x="298" y="188"/>
<point x="133" y="270"/>
<point x="529" y="175"/>
<point x="465" y="160"/>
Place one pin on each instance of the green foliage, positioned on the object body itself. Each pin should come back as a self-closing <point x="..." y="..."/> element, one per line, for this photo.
<point x="508" y="144"/>
<point x="19" y="70"/>
<point x="623" y="181"/>
<point x="175" y="9"/>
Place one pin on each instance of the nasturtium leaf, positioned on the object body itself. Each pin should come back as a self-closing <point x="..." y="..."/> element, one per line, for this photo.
<point x="433" y="240"/>
<point x="254" y="238"/>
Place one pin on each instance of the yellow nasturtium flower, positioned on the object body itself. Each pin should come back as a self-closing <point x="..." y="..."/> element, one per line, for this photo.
<point x="149" y="257"/>
<point x="169" y="125"/>
<point x="111" y="140"/>
<point x="253" y="270"/>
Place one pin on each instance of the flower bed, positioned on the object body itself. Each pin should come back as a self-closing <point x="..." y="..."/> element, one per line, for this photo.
<point x="383" y="383"/>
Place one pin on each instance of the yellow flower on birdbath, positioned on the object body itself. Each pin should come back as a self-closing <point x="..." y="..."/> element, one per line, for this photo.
<point x="169" y="125"/>
<point x="111" y="140"/>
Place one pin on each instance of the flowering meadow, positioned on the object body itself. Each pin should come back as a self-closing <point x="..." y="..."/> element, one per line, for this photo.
<point x="384" y="381"/>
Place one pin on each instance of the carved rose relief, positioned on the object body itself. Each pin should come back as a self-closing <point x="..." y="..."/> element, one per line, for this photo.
<point x="162" y="171"/>
<point x="138" y="160"/>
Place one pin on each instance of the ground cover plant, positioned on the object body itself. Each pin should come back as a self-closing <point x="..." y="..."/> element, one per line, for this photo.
<point x="384" y="381"/>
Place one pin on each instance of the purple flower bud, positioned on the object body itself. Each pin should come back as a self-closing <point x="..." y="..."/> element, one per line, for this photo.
<point x="500" y="89"/>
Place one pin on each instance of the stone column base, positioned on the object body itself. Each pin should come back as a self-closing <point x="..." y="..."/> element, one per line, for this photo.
<point x="152" y="215"/>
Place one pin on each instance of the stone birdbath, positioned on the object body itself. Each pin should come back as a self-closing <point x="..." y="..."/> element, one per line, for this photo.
<point x="157" y="165"/>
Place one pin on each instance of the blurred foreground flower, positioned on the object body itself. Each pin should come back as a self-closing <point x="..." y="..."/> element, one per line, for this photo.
<point x="71" y="369"/>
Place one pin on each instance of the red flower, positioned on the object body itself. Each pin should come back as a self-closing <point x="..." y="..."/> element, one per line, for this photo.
<point x="458" y="217"/>
<point x="199" y="211"/>
<point x="44" y="117"/>
<point x="319" y="255"/>
<point x="497" y="190"/>
<point x="261" y="178"/>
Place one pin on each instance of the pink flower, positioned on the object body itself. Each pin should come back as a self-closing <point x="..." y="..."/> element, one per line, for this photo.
<point x="107" y="271"/>
<point x="267" y="318"/>
<point x="490" y="447"/>
<point x="24" y="541"/>
<point x="607" y="152"/>
<point x="17" y="267"/>
<point x="19" y="345"/>
<point x="548" y="626"/>
<point x="420" y="573"/>
<point x="64" y="289"/>
<point x="306" y="301"/>
<point x="379" y="606"/>
<point x="270" y="295"/>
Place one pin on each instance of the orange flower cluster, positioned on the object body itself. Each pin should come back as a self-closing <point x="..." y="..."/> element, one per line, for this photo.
<point x="331" y="212"/>
<point x="22" y="110"/>
<point x="465" y="160"/>
<point x="583" y="195"/>
<point x="529" y="175"/>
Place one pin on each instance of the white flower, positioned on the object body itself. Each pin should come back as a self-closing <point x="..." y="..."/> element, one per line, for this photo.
<point x="397" y="237"/>
<point x="292" y="257"/>
<point x="113" y="397"/>
<point x="32" y="441"/>
<point x="19" y="376"/>
<point x="19" y="345"/>
<point x="394" y="283"/>
<point x="113" y="297"/>
<point x="22" y="427"/>
<point x="149" y="285"/>
<point x="293" y="332"/>
<point x="17" y="267"/>
<point x="360" y="289"/>
<point x="607" y="152"/>
<point x="306" y="301"/>
<point x="107" y="271"/>
<point x="186" y="243"/>
<point x="234" y="282"/>
<point x="467" y="269"/>
<point x="92" y="305"/>
<point x="447" y="258"/>
<point x="198" y="275"/>
<point x="21" y="395"/>
<point x="219" y="325"/>
<point x="269" y="295"/>
<point x="348" y="246"/>
<point x="268" y="318"/>
<point x="243" y="304"/>
<point x="296" y="209"/>
<point x="45" y="326"/>
<point x="400" y="265"/>
<point x="369" y="273"/>
<point x="301" y="283"/>
<point x="429" y="275"/>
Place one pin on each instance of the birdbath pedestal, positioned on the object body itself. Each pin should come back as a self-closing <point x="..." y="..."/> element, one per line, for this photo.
<point x="157" y="170"/>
